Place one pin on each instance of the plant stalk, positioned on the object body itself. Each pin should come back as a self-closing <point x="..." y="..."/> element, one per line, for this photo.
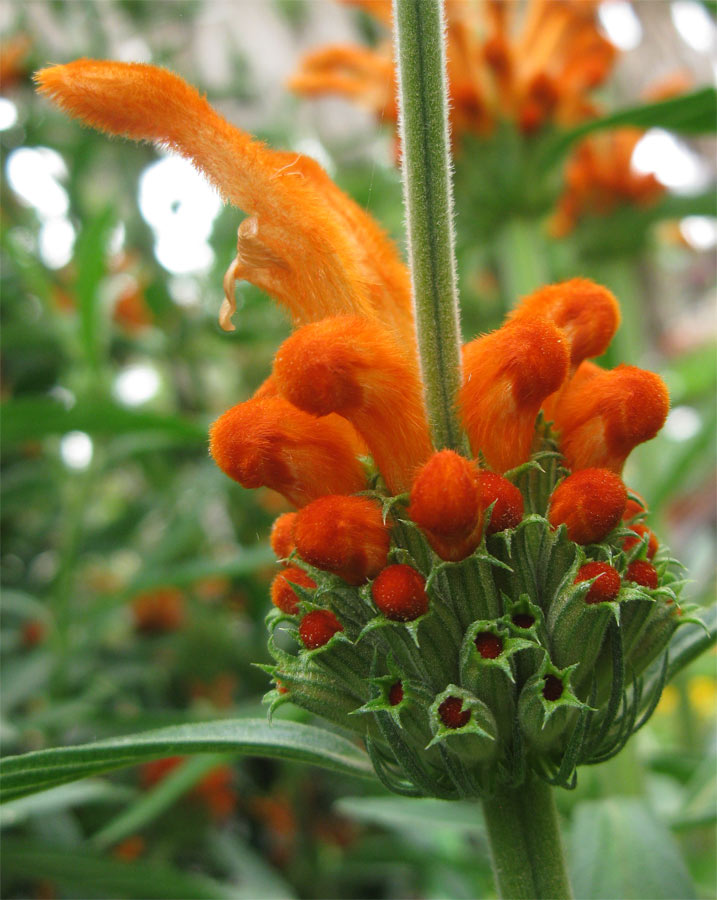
<point x="525" y="843"/>
<point x="522" y="260"/>
<point x="428" y="198"/>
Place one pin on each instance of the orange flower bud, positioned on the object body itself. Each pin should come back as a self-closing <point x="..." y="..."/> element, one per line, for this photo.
<point x="353" y="367"/>
<point x="318" y="627"/>
<point x="282" y="535"/>
<point x="446" y="504"/>
<point x="634" y="508"/>
<point x="507" y="376"/>
<point x="641" y="531"/>
<point x="282" y="594"/>
<point x="268" y="442"/>
<point x="399" y="592"/>
<point x="590" y="502"/>
<point x="587" y="312"/>
<point x="643" y="573"/>
<point x="343" y="535"/>
<point x="452" y="713"/>
<point x="607" y="582"/>
<point x="508" y="509"/>
<point x="602" y="419"/>
<point x="445" y="497"/>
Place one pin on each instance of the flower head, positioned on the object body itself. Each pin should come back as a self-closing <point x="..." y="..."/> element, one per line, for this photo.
<point x="447" y="604"/>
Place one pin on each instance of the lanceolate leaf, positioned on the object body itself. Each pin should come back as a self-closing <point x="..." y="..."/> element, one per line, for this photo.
<point x="694" y="113"/>
<point x="21" y="775"/>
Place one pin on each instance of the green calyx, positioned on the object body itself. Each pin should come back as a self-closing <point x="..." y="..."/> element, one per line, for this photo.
<point x="550" y="681"/>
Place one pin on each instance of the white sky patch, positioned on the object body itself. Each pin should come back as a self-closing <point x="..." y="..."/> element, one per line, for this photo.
<point x="76" y="450"/>
<point x="700" y="232"/>
<point x="694" y="25"/>
<point x="56" y="242"/>
<point x="620" y="24"/>
<point x="136" y="384"/>
<point x="683" y="423"/>
<point x="671" y="160"/>
<point x="179" y="205"/>
<point x="184" y="292"/>
<point x="8" y="113"/>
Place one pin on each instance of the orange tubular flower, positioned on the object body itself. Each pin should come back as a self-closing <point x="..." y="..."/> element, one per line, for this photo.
<point x="534" y="74"/>
<point x="282" y="535"/>
<point x="305" y="242"/>
<point x="605" y="416"/>
<point x="343" y="535"/>
<point x="507" y="376"/>
<point x="270" y="443"/>
<point x="590" y="502"/>
<point x="349" y="366"/>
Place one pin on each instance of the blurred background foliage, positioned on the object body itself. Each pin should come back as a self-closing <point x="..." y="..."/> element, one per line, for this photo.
<point x="136" y="575"/>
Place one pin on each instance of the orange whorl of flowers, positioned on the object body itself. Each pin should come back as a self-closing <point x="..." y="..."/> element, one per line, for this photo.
<point x="508" y="509"/>
<point x="270" y="443"/>
<point x="507" y="375"/>
<point x="590" y="502"/>
<point x="349" y="366"/>
<point x="587" y="312"/>
<point x="283" y="595"/>
<point x="282" y="535"/>
<point x="605" y="416"/>
<point x="296" y="213"/>
<point x="343" y="535"/>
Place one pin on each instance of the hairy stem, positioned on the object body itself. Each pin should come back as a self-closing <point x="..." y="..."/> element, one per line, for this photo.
<point x="428" y="197"/>
<point x="525" y="843"/>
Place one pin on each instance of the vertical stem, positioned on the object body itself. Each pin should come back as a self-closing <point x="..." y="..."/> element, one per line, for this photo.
<point x="428" y="197"/>
<point x="525" y="843"/>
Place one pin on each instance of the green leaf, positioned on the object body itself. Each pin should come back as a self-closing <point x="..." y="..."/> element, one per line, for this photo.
<point x="102" y="876"/>
<point x="43" y="769"/>
<point x="93" y="790"/>
<point x="618" y="849"/>
<point x="405" y="813"/>
<point x="694" y="113"/>
<point x="32" y="418"/>
<point x="90" y="259"/>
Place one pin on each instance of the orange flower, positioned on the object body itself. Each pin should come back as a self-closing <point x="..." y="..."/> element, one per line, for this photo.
<point x="158" y="610"/>
<point x="534" y="67"/>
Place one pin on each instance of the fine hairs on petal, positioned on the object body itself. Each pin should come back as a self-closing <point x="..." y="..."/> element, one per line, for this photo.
<point x="352" y="367"/>
<point x="507" y="376"/>
<point x="269" y="443"/>
<point x="346" y="264"/>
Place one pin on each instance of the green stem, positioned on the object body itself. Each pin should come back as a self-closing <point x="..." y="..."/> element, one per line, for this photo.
<point x="525" y="843"/>
<point x="522" y="259"/>
<point x="428" y="197"/>
<point x="621" y="275"/>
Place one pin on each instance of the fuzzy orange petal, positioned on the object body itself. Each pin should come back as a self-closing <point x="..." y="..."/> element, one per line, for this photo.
<point x="269" y="443"/>
<point x="306" y="243"/>
<point x="603" y="417"/>
<point x="507" y="376"/>
<point x="352" y="367"/>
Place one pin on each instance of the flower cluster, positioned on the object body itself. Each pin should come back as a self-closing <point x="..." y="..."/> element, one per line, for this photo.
<point x="471" y="616"/>
<point x="534" y="67"/>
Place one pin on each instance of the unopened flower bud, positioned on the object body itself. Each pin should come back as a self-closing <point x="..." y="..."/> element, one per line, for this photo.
<point x="607" y="582"/>
<point x="634" y="508"/>
<point x="282" y="535"/>
<point x="395" y="693"/>
<point x="463" y="724"/>
<point x="507" y="376"/>
<point x="590" y="502"/>
<point x="343" y="535"/>
<point x="270" y="443"/>
<point x="508" y="509"/>
<point x="641" y="531"/>
<point x="643" y="573"/>
<point x="282" y="594"/>
<point x="601" y="420"/>
<point x="452" y="714"/>
<point x="445" y="498"/>
<point x="399" y="592"/>
<point x="318" y="627"/>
